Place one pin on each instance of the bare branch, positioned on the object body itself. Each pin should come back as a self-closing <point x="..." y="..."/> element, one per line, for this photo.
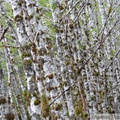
<point x="101" y="43"/>
<point x="3" y="33"/>
<point x="8" y="46"/>
<point x="112" y="60"/>
<point x="62" y="93"/>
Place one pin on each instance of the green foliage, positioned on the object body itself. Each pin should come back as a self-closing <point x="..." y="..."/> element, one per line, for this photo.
<point x="8" y="36"/>
<point x="44" y="2"/>
<point x="8" y="8"/>
<point x="2" y="21"/>
<point x="8" y="12"/>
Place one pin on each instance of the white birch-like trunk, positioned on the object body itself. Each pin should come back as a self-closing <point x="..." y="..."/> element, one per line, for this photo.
<point x="24" y="41"/>
<point x="4" y="105"/>
<point x="61" y="29"/>
<point x="75" y="73"/>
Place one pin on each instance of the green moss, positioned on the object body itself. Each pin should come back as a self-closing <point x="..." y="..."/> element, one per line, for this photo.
<point x="36" y="102"/>
<point x="61" y="7"/>
<point x="9" y="83"/>
<point x="102" y="95"/>
<point x="27" y="17"/>
<point x="27" y="46"/>
<point x="38" y="17"/>
<point x="111" y="98"/>
<point x="34" y="49"/>
<point x="37" y="9"/>
<point x="18" y="18"/>
<point x="10" y="116"/>
<point x="79" y="111"/>
<point x="43" y="78"/>
<point x="26" y="94"/>
<point x="93" y="98"/>
<point x="28" y="103"/>
<point x="71" y="26"/>
<point x="27" y="62"/>
<point x="2" y="100"/>
<point x="58" y="107"/>
<point x="57" y="30"/>
<point x="64" y="83"/>
<point x="77" y="93"/>
<point x="110" y="110"/>
<point x="96" y="74"/>
<point x="44" y="106"/>
<point x="31" y="5"/>
<point x="19" y="3"/>
<point x="118" y="98"/>
<point x="25" y="54"/>
<point x="61" y="30"/>
<point x="31" y="16"/>
<point x="34" y="94"/>
<point x="67" y="62"/>
<point x="42" y="51"/>
<point x="54" y="117"/>
<point x="53" y="7"/>
<point x="50" y="88"/>
<point x="42" y="32"/>
<point x="50" y="76"/>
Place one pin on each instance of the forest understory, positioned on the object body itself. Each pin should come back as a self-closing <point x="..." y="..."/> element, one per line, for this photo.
<point x="59" y="60"/>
